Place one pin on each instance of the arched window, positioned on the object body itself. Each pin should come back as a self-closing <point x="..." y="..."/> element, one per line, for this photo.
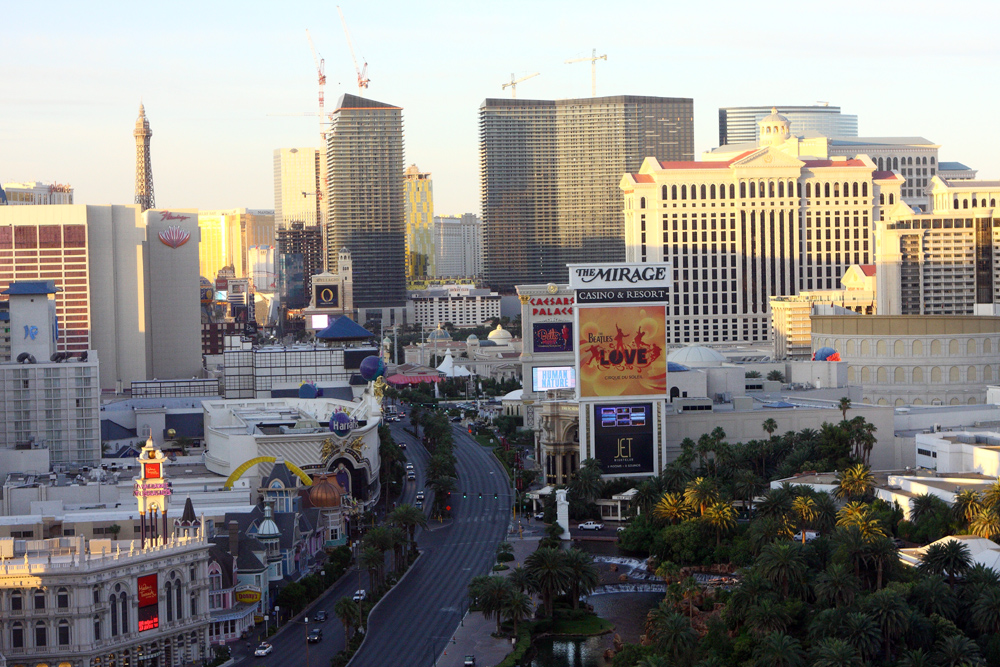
<point x="41" y="634"/>
<point x="932" y="159"/>
<point x="39" y="598"/>
<point x="826" y="189"/>
<point x="684" y="192"/>
<point x="732" y="191"/>
<point x="854" y="189"/>
<point x="673" y="191"/>
<point x="62" y="598"/>
<point x="892" y="199"/>
<point x="17" y="635"/>
<point x="899" y="375"/>
<point x="97" y="594"/>
<point x="895" y="164"/>
<point x="987" y="373"/>
<point x="882" y="376"/>
<point x="953" y="347"/>
<point x="808" y="189"/>
<point x="935" y="348"/>
<point x="918" y="374"/>
<point x="753" y="189"/>
<point x="925" y="159"/>
<point x="970" y="374"/>
<point x="965" y="203"/>
<point x="866" y="375"/>
<point x="16" y="601"/>
<point x="973" y="202"/>
<point x="836" y="189"/>
<point x="866" y="348"/>
<point x="703" y="191"/>
<point x="993" y="202"/>
<point x="781" y="188"/>
<point x="123" y="601"/>
<point x="194" y="604"/>
<point x="898" y="349"/>
<point x="880" y="348"/>
<point x="864" y="189"/>
<point x="167" y="590"/>
<point x="62" y="637"/>
<point x="880" y="165"/>
<point x="642" y="202"/>
<point x="114" y="614"/>
<point x="987" y="346"/>
<point x="955" y="203"/>
<point x="982" y="203"/>
<point x="743" y="190"/>
<point x="711" y="191"/>
<point x="663" y="192"/>
<point x="954" y="375"/>
<point x="935" y="374"/>
<point x="770" y="189"/>
<point x="881" y="198"/>
<point x="177" y="596"/>
<point x="918" y="348"/>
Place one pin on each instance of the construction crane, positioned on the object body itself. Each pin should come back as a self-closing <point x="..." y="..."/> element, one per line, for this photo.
<point x="513" y="84"/>
<point x="362" y="71"/>
<point x="321" y="74"/>
<point x="593" y="69"/>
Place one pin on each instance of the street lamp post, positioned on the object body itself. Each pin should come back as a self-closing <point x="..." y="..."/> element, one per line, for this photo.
<point x="277" y="616"/>
<point x="266" y="619"/>
<point x="306" y="620"/>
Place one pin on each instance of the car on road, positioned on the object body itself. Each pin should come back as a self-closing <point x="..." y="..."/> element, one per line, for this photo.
<point x="621" y="529"/>
<point x="410" y="475"/>
<point x="456" y="419"/>
<point x="263" y="649"/>
<point x="320" y="616"/>
<point x="315" y="636"/>
<point x="539" y="516"/>
<point x="419" y="503"/>
<point x="470" y="661"/>
<point x="420" y="495"/>
<point x="591" y="525"/>
<point x="360" y="595"/>
<point x="409" y="466"/>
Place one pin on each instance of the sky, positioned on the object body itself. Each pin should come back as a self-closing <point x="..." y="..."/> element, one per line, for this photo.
<point x="213" y="76"/>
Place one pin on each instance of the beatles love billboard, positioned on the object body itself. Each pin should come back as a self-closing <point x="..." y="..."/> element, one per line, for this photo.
<point x="622" y="351"/>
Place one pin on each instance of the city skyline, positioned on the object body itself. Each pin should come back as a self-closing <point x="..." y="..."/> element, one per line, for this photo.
<point x="209" y="95"/>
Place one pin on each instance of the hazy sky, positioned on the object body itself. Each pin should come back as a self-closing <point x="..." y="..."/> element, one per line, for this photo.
<point x="210" y="72"/>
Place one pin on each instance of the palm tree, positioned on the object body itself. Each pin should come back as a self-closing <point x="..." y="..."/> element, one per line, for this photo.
<point x="882" y="552"/>
<point x="924" y="505"/>
<point x="986" y="611"/>
<point x="949" y="557"/>
<point x="991" y="496"/>
<point x="494" y="595"/>
<point x="583" y="575"/>
<point x="986" y="523"/>
<point x="690" y="589"/>
<point x="852" y="542"/>
<point x="373" y="561"/>
<point x="833" y="652"/>
<point x="862" y="632"/>
<point x="647" y="493"/>
<point x="399" y="544"/>
<point x="956" y="651"/>
<point x="981" y="576"/>
<point x="770" y="426"/>
<point x="855" y="482"/>
<point x="891" y="614"/>
<point x="349" y="613"/>
<point x="408" y="517"/>
<point x="930" y="595"/>
<point x="853" y="513"/>
<point x="505" y="552"/>
<point x="844" y="405"/>
<point x="517" y="608"/>
<point x="587" y="483"/>
<point x="721" y="517"/>
<point x="776" y="376"/>
<point x="783" y="564"/>
<point x="672" y="507"/>
<point x="967" y="504"/>
<point x="700" y="493"/>
<point x="547" y="568"/>
<point x="520" y="578"/>
<point x="672" y="632"/>
<point x="826" y="513"/>
<point x="837" y="584"/>
<point x="750" y="590"/>
<point x="804" y="509"/>
<point x="675" y="477"/>
<point x="746" y="486"/>
<point x="752" y="375"/>
<point x="779" y="650"/>
<point x="776" y="502"/>
<point x="768" y="616"/>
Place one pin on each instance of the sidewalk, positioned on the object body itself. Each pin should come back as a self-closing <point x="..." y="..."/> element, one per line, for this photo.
<point x="474" y="636"/>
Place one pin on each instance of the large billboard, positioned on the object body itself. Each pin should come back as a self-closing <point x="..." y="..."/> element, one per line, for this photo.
<point x="149" y="603"/>
<point x="622" y="351"/>
<point x="552" y="337"/>
<point x="544" y="378"/>
<point x="326" y="296"/>
<point x="623" y="438"/>
<point x="621" y="283"/>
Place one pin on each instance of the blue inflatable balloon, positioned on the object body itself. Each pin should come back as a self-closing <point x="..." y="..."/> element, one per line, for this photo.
<point x="340" y="423"/>
<point x="372" y="367"/>
<point x="307" y="390"/>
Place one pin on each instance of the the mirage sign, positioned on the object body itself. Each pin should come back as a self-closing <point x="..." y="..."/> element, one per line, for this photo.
<point x="621" y="283"/>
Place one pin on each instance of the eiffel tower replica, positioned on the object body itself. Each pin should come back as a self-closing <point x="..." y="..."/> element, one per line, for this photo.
<point x="143" y="164"/>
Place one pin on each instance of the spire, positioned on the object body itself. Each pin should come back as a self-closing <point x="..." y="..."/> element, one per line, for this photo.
<point x="143" y="163"/>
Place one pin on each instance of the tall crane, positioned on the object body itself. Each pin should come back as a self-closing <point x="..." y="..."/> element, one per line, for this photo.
<point x="321" y="73"/>
<point x="593" y="69"/>
<point x="362" y="71"/>
<point x="513" y="84"/>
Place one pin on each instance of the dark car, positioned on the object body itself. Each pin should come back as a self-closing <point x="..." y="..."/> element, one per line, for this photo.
<point x="321" y="616"/>
<point x="315" y="635"/>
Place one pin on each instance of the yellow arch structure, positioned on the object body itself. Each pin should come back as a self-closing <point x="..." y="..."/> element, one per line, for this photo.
<point x="297" y="471"/>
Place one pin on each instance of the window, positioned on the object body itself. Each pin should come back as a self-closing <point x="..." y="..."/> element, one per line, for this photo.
<point x="39" y="599"/>
<point x="97" y="627"/>
<point x="16" y="603"/>
<point x="17" y="635"/>
<point x="62" y="598"/>
<point x="63" y="635"/>
<point x="41" y="634"/>
<point x="97" y="594"/>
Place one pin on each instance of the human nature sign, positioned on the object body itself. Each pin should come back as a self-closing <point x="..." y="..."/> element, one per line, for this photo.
<point x="621" y="283"/>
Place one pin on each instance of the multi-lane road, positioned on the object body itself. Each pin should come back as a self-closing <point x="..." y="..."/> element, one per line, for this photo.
<point x="412" y="622"/>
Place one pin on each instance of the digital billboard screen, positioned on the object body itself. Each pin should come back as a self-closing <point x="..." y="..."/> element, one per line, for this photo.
<point x="552" y="336"/>
<point x="622" y="351"/>
<point x="326" y="296"/>
<point x="544" y="378"/>
<point x="623" y="438"/>
<point x="320" y="322"/>
<point x="149" y="615"/>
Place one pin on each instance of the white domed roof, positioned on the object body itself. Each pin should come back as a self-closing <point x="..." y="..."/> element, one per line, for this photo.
<point x="439" y="334"/>
<point x="515" y="395"/>
<point x="774" y="117"/>
<point x="695" y="356"/>
<point x="500" y="333"/>
<point x="472" y="338"/>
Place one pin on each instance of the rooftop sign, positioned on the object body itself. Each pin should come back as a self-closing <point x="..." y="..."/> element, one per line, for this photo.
<point x="620" y="283"/>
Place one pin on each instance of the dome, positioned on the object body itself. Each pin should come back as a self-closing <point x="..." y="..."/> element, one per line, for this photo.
<point x="774" y="129"/>
<point x="268" y="528"/>
<point x="500" y="334"/>
<point x="515" y="395"/>
<point x="676" y="368"/>
<point x="323" y="493"/>
<point x="438" y="334"/>
<point x="472" y="338"/>
<point x="696" y="355"/>
<point x="774" y="117"/>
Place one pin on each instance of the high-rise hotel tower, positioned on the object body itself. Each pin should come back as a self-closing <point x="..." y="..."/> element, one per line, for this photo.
<point x="549" y="173"/>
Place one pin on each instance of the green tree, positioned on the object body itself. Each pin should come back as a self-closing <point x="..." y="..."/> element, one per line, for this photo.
<point x="349" y="613"/>
<point x="776" y="376"/>
<point x="768" y="616"/>
<point x="517" y="608"/>
<point x="779" y="650"/>
<point x="722" y="517"/>
<point x="951" y="558"/>
<point x="985" y="523"/>
<point x="891" y="614"/>
<point x="520" y="578"/>
<point x="505" y="552"/>
<point x="752" y="375"/>
<point x="746" y="486"/>
<point x="672" y="633"/>
<point x="833" y="652"/>
<point x="931" y="595"/>
<point x="804" y="509"/>
<point x="967" y="504"/>
<point x="408" y="518"/>
<point x="784" y="565"/>
<point x="924" y="505"/>
<point x="837" y="585"/>
<point x="844" y="405"/>
<point x="494" y="595"/>
<point x="986" y="611"/>
<point x="701" y="492"/>
<point x="770" y="426"/>
<point x="861" y="632"/>
<point x="672" y="507"/>
<point x="956" y="651"/>
<point x="550" y="573"/>
<point x="584" y="577"/>
<point x="915" y="658"/>
<point x="881" y="552"/>
<point x="991" y="496"/>
<point x="855" y="482"/>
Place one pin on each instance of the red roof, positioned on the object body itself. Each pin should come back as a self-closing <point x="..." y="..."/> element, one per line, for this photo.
<point x="868" y="269"/>
<point x="883" y="175"/>
<point x="643" y="178"/>
<point x="832" y="163"/>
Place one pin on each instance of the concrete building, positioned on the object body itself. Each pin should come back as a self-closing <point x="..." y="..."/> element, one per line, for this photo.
<point x="956" y="171"/>
<point x="548" y="171"/>
<point x="300" y="256"/>
<point x="33" y="193"/>
<point x="48" y="401"/>
<point x="366" y="209"/>
<point x="739" y="125"/>
<point x="458" y="246"/>
<point x="791" y="332"/>
<point x="227" y="237"/>
<point x="299" y="187"/>
<point x="420" y="224"/>
<point x="915" y="359"/>
<point x="461" y="305"/>
<point x="331" y="294"/>
<point x="769" y="221"/>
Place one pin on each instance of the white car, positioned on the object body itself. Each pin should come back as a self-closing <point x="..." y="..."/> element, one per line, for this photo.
<point x="621" y="529"/>
<point x="409" y="466"/>
<point x="263" y="649"/>
<point x="539" y="516"/>
<point x="360" y="595"/>
<point x="591" y="525"/>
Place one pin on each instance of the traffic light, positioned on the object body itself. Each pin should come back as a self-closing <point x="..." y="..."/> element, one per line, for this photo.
<point x="495" y="496"/>
<point x="464" y="494"/>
